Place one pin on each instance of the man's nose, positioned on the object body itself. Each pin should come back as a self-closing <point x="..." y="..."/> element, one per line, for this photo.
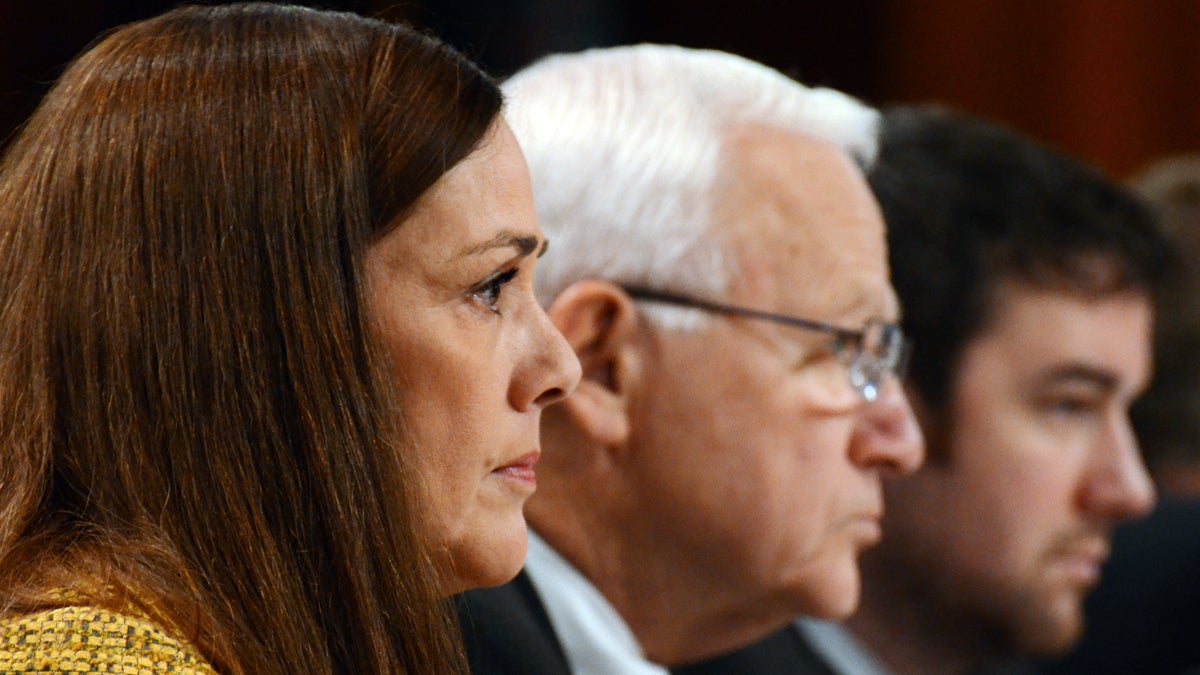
<point x="1117" y="485"/>
<point x="887" y="434"/>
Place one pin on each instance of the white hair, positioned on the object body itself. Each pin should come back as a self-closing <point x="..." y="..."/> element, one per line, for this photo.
<point x="624" y="148"/>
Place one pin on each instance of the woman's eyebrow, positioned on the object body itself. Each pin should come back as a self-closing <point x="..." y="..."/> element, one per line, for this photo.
<point x="526" y="244"/>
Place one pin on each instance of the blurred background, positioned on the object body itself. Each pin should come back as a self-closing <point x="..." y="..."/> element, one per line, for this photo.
<point x="1115" y="81"/>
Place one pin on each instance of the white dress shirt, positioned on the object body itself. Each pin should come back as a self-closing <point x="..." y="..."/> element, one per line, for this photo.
<point x="839" y="649"/>
<point x="595" y="638"/>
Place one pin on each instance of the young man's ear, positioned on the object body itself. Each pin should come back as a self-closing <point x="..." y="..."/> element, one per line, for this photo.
<point x="601" y="324"/>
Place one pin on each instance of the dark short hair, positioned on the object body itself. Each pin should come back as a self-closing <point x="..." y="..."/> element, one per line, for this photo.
<point x="969" y="203"/>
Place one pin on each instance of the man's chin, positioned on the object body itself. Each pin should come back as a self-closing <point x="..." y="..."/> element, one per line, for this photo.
<point x="838" y="597"/>
<point x="1055" y="632"/>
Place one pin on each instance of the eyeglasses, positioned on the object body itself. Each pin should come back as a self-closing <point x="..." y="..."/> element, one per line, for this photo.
<point x="870" y="354"/>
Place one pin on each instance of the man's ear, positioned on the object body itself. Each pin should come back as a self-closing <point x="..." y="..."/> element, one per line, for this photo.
<point x="601" y="324"/>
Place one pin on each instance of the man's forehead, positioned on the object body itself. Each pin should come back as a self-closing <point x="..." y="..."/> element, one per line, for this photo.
<point x="746" y="140"/>
<point x="1017" y="293"/>
<point x="803" y="227"/>
<point x="808" y="282"/>
<point x="817" y="180"/>
<point x="1061" y="331"/>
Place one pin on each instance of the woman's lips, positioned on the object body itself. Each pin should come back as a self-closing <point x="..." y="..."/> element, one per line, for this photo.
<point x="521" y="469"/>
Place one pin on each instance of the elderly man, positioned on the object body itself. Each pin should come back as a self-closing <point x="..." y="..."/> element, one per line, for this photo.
<point x="720" y="268"/>
<point x="1027" y="281"/>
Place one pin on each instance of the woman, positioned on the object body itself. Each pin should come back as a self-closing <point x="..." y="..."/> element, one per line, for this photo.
<point x="271" y="365"/>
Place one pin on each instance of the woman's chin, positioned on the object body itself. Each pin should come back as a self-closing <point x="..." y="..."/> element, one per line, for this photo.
<point x="489" y="561"/>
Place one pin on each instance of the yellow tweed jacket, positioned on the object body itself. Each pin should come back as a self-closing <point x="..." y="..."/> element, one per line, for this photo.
<point x="90" y="640"/>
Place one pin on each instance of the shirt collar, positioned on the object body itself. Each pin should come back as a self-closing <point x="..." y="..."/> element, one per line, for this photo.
<point x="594" y="637"/>
<point x="839" y="649"/>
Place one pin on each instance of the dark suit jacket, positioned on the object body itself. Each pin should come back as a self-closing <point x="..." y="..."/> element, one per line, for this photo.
<point x="507" y="632"/>
<point x="784" y="653"/>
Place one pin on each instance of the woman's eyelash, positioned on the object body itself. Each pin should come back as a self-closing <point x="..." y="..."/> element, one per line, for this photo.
<point x="488" y="292"/>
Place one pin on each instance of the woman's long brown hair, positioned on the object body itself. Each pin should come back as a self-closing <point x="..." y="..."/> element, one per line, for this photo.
<point x="193" y="417"/>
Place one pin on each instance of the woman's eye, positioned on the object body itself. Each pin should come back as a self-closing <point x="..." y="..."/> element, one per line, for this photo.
<point x="488" y="292"/>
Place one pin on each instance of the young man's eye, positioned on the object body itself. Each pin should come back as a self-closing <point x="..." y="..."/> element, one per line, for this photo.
<point x="1073" y="406"/>
<point x="488" y="292"/>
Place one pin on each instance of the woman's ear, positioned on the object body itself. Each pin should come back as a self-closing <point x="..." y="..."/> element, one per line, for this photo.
<point x="600" y="323"/>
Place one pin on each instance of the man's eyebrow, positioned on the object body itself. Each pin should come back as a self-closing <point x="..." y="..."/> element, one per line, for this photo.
<point x="523" y="243"/>
<point x="1082" y="373"/>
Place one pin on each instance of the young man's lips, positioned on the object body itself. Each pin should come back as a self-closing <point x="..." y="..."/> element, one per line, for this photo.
<point x="521" y="469"/>
<point x="1084" y="561"/>
<point x="1083" y="569"/>
<point x="869" y="527"/>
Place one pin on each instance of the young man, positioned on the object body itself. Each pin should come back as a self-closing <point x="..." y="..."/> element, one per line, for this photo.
<point x="1027" y="282"/>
